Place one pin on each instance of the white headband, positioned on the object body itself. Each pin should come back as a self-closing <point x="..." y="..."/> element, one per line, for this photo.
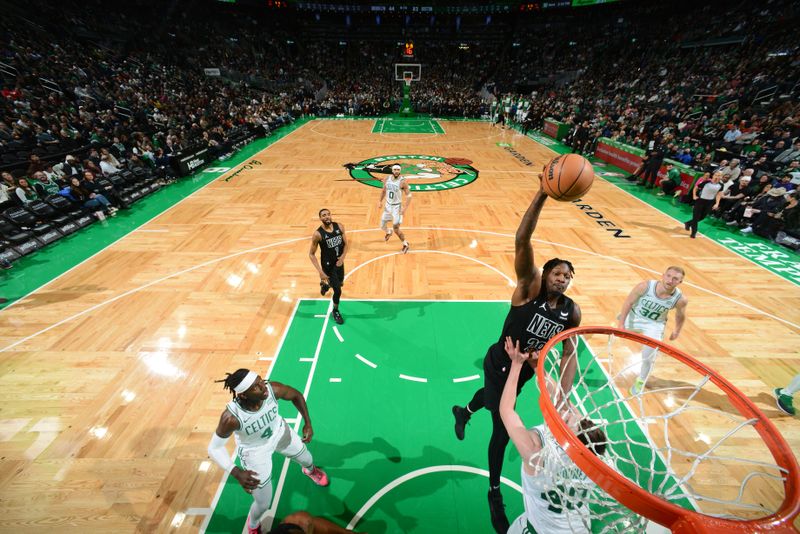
<point x="245" y="384"/>
<point x="398" y="167"/>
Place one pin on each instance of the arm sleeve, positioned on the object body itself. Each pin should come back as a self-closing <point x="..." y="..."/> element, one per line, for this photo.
<point x="218" y="453"/>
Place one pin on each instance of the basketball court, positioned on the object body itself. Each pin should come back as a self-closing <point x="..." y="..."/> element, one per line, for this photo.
<point x="108" y="370"/>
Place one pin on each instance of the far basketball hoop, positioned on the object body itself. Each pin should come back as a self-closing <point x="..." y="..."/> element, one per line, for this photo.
<point x="407" y="73"/>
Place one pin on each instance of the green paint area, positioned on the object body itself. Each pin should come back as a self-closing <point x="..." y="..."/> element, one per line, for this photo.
<point x="407" y="126"/>
<point x="33" y="271"/>
<point x="385" y="439"/>
<point x="779" y="260"/>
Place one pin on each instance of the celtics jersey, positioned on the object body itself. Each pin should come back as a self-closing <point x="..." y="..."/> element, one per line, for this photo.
<point x="651" y="307"/>
<point x="555" y="497"/>
<point x="262" y="428"/>
<point x="393" y="191"/>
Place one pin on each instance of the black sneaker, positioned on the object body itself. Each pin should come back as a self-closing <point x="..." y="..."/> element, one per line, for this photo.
<point x="323" y="288"/>
<point x="498" y="512"/>
<point x="337" y="316"/>
<point x="686" y="226"/>
<point x="462" y="416"/>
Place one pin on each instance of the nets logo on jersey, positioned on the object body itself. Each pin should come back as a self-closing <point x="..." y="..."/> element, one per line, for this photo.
<point x="422" y="173"/>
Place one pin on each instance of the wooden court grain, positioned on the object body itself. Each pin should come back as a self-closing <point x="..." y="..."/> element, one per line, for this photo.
<point x="106" y="417"/>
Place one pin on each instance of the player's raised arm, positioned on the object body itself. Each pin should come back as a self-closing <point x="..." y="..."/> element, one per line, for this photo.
<point x="522" y="439"/>
<point x="528" y="276"/>
<point x="569" y="355"/>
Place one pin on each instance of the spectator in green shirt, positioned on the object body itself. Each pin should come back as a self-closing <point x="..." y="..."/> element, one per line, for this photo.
<point x="670" y="182"/>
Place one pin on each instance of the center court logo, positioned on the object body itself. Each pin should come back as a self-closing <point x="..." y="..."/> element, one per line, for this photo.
<point x="423" y="173"/>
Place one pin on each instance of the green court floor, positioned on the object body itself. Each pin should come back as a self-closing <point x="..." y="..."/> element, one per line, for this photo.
<point x="379" y="390"/>
<point x="407" y="126"/>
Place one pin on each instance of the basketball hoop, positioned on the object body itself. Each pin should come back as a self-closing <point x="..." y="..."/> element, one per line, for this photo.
<point x="408" y="77"/>
<point x="685" y="475"/>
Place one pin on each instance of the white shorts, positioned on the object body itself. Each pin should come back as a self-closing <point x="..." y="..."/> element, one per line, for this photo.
<point x="520" y="526"/>
<point x="392" y="213"/>
<point x="644" y="326"/>
<point x="259" y="459"/>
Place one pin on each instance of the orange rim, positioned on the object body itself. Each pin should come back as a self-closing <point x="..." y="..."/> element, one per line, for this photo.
<point x="644" y="503"/>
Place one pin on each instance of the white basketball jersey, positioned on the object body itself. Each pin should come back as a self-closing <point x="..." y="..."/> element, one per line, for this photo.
<point x="650" y="307"/>
<point x="555" y="497"/>
<point x="393" y="191"/>
<point x="262" y="428"/>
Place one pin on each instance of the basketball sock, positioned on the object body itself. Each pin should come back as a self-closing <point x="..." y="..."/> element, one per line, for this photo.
<point x="793" y="387"/>
<point x="648" y="359"/>
<point x="261" y="499"/>
<point x="477" y="402"/>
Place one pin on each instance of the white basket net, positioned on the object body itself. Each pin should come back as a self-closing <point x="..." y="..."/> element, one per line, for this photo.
<point x="681" y="438"/>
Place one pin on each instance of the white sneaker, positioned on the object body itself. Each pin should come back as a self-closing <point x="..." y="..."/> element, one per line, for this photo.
<point x="748" y="230"/>
<point x="637" y="387"/>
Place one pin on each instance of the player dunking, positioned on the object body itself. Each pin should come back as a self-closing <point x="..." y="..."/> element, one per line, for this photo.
<point x="333" y="247"/>
<point x="252" y="417"/>
<point x="539" y="311"/>
<point x="393" y="209"/>
<point x="554" y="488"/>
<point x="645" y="311"/>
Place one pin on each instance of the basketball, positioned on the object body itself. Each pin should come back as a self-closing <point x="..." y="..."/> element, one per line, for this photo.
<point x="567" y="177"/>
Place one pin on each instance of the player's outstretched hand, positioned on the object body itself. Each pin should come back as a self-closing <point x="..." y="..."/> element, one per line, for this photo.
<point x="514" y="352"/>
<point x="308" y="432"/>
<point x="247" y="479"/>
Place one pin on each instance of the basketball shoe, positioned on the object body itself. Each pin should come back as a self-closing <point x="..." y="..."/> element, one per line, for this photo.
<point x="462" y="416"/>
<point x="316" y="475"/>
<point x="784" y="402"/>
<point x="498" y="511"/>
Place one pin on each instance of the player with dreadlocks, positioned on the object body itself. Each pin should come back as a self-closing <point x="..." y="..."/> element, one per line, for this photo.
<point x="539" y="311"/>
<point x="252" y="416"/>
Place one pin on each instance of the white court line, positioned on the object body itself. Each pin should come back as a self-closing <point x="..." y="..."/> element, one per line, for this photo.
<point x="31" y="292"/>
<point x="224" y="477"/>
<point x="265" y="358"/>
<point x="414" y="378"/>
<point x="321" y="315"/>
<point x="418" y="473"/>
<point x="366" y="361"/>
<point x="467" y="378"/>
<point x="306" y="359"/>
<point x="425" y="228"/>
<point x="338" y="335"/>
<point x="335" y="380"/>
<point x="269" y="517"/>
<point x="198" y="511"/>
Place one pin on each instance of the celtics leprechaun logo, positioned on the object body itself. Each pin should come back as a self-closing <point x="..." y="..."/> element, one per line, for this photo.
<point x="423" y="173"/>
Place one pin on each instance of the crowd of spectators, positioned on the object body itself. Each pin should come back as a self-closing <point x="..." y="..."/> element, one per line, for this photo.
<point x="88" y="86"/>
